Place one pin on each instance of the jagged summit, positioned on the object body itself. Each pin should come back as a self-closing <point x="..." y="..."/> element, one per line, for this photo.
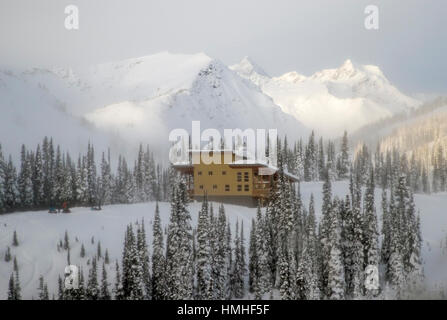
<point x="337" y="99"/>
<point x="248" y="66"/>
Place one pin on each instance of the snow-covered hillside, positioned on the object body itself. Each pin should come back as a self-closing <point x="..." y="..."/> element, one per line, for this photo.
<point x="331" y="100"/>
<point x="39" y="233"/>
<point x="135" y="100"/>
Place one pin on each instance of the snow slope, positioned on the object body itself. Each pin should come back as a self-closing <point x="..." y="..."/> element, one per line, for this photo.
<point x="331" y="100"/>
<point x="39" y="233"/>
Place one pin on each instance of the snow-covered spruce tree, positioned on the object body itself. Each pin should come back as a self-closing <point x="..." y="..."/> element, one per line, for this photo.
<point x="179" y="245"/>
<point x="237" y="272"/>
<point x="214" y="267"/>
<point x="118" y="289"/>
<point x="2" y="173"/>
<point x="139" y="175"/>
<point x="336" y="281"/>
<point x="286" y="242"/>
<point x="312" y="246"/>
<point x="262" y="278"/>
<point x="104" y="185"/>
<point x="243" y="260"/>
<point x="91" y="175"/>
<point x="321" y="160"/>
<point x="25" y="187"/>
<point x="325" y="229"/>
<point x="352" y="247"/>
<point x="228" y="289"/>
<point x="18" y="288"/>
<point x="106" y="257"/>
<point x="82" y="253"/>
<point x="8" y="255"/>
<point x="80" y="293"/>
<point x="203" y="268"/>
<point x="310" y="160"/>
<point x="386" y="230"/>
<point x="287" y="272"/>
<point x="150" y="176"/>
<point x="48" y="170"/>
<point x="15" y="240"/>
<point x="307" y="270"/>
<point x="253" y="271"/>
<point x="299" y="160"/>
<point x="395" y="268"/>
<point x="158" y="259"/>
<point x="11" y="288"/>
<point x="144" y="258"/>
<point x="104" y="291"/>
<point x="60" y="286"/>
<point x="92" y="291"/>
<point x="370" y="228"/>
<point x="221" y="255"/>
<point x="343" y="159"/>
<point x="43" y="289"/>
<point x="133" y="283"/>
<point x="412" y="258"/>
<point x="10" y="191"/>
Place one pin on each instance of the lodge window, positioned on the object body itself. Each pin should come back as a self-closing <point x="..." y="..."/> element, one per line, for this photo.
<point x="246" y="187"/>
<point x="239" y="187"/>
<point x="214" y="186"/>
<point x="227" y="187"/>
<point x="199" y="173"/>
<point x="245" y="176"/>
<point x="224" y="173"/>
<point x="201" y="187"/>
<point x="210" y="173"/>
<point x="239" y="176"/>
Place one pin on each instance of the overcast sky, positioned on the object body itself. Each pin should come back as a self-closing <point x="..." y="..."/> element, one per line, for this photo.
<point x="280" y="35"/>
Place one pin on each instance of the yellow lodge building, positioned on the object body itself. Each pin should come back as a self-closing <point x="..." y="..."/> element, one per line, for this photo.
<point x="235" y="180"/>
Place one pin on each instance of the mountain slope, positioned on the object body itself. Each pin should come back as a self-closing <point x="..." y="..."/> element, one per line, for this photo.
<point x="215" y="95"/>
<point x="136" y="100"/>
<point x="332" y="100"/>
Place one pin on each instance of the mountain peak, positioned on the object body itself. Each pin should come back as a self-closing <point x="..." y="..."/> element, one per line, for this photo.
<point x="347" y="65"/>
<point x="248" y="67"/>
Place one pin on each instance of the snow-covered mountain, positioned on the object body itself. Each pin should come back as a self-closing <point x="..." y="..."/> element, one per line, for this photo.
<point x="136" y="100"/>
<point x="331" y="100"/>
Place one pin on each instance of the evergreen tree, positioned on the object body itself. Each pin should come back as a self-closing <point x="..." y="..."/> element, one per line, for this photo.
<point x="66" y="241"/>
<point x="144" y="258"/>
<point x="118" y="290"/>
<point x="203" y="268"/>
<point x="61" y="295"/>
<point x="343" y="160"/>
<point x="82" y="253"/>
<point x="11" y="289"/>
<point x="106" y="257"/>
<point x="179" y="246"/>
<point x="93" y="291"/>
<point x="238" y="267"/>
<point x="8" y="254"/>
<point x="99" y="250"/>
<point x="158" y="259"/>
<point x="43" y="289"/>
<point x="15" y="241"/>
<point x="104" y="294"/>
<point x="370" y="230"/>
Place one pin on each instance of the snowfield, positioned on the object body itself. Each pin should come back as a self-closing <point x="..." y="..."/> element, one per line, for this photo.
<point x="39" y="233"/>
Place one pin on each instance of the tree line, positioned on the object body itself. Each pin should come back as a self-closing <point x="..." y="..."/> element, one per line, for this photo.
<point x="48" y="177"/>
